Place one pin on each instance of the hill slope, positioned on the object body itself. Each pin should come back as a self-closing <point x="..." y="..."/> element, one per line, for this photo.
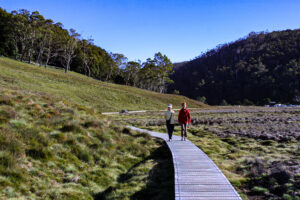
<point x="54" y="144"/>
<point x="82" y="90"/>
<point x="53" y="149"/>
<point x="256" y="69"/>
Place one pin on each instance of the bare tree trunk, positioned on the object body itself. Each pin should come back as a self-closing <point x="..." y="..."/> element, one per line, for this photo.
<point x="67" y="68"/>
<point x="17" y="50"/>
<point x="109" y="74"/>
<point x="40" y="56"/>
<point x="22" y="51"/>
<point x="48" y="58"/>
<point x="30" y="51"/>
<point x="89" y="71"/>
<point x="40" y="59"/>
<point x="29" y="55"/>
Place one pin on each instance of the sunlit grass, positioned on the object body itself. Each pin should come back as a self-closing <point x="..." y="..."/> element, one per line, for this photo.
<point x="82" y="90"/>
<point x="53" y="149"/>
<point x="245" y="161"/>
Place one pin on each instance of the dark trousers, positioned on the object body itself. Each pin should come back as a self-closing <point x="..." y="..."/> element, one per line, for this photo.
<point x="183" y="130"/>
<point x="170" y="128"/>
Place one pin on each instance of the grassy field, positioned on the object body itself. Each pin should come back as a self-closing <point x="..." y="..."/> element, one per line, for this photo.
<point x="79" y="89"/>
<point x="56" y="144"/>
<point x="54" y="149"/>
<point x="257" y="148"/>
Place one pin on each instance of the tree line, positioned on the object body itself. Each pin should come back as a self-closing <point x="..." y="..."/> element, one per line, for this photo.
<point x="29" y="37"/>
<point x="257" y="69"/>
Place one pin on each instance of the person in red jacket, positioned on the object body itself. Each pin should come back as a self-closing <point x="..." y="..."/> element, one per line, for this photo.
<point x="184" y="118"/>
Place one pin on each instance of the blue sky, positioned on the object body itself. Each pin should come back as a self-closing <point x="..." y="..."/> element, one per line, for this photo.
<point x="181" y="29"/>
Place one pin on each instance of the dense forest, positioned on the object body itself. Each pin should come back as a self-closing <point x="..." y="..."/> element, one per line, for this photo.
<point x="29" y="37"/>
<point x="257" y="69"/>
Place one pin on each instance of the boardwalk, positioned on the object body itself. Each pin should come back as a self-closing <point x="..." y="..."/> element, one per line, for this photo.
<point x="196" y="176"/>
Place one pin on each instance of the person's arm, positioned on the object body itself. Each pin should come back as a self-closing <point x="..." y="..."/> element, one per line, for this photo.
<point x="189" y="116"/>
<point x="179" y="117"/>
<point x="166" y="115"/>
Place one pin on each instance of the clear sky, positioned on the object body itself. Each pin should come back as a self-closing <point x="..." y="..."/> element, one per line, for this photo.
<point x="181" y="29"/>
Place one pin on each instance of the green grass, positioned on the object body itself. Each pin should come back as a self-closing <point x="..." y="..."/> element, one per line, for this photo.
<point x="54" y="149"/>
<point x="82" y="90"/>
<point x="245" y="161"/>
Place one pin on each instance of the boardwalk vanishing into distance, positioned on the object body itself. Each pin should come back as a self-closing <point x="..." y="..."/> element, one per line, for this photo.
<point x="196" y="175"/>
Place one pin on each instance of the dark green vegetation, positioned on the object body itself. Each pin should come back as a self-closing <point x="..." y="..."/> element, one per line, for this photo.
<point x="261" y="163"/>
<point x="28" y="36"/>
<point x="82" y="90"/>
<point x="54" y="149"/>
<point x="253" y="70"/>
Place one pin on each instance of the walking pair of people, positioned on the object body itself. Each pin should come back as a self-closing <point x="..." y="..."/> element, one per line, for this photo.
<point x="184" y="118"/>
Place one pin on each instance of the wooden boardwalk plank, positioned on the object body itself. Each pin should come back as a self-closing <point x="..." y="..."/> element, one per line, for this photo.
<point x="196" y="175"/>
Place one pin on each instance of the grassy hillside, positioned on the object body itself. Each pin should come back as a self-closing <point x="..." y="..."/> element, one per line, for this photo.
<point x="54" y="149"/>
<point x="81" y="90"/>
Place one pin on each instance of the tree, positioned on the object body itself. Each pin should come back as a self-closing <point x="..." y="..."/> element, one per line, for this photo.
<point x="7" y="47"/>
<point x="164" y="67"/>
<point x="131" y="71"/>
<point x="36" y="21"/>
<point x="69" y="43"/>
<point x="53" y="41"/>
<point x="21" y="30"/>
<point x="85" y="55"/>
<point x="118" y="61"/>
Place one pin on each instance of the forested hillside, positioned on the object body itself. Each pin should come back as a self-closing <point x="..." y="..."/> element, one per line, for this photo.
<point x="29" y="37"/>
<point x="253" y="70"/>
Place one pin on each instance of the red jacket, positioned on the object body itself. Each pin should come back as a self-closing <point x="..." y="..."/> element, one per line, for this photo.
<point x="184" y="116"/>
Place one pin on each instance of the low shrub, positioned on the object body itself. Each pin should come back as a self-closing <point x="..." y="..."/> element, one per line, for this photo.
<point x="71" y="127"/>
<point x="7" y="113"/>
<point x="287" y="197"/>
<point x="259" y="190"/>
<point x="7" y="160"/>
<point x="39" y="153"/>
<point x="5" y="100"/>
<point x="85" y="156"/>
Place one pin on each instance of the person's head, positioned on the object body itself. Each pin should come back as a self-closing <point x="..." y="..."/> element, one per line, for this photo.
<point x="170" y="107"/>
<point x="183" y="105"/>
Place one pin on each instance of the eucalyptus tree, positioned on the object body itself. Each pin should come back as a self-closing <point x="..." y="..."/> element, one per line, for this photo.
<point x="53" y="41"/>
<point x="21" y="31"/>
<point x="118" y="61"/>
<point x="7" y="47"/>
<point x="43" y="37"/>
<point x="36" y="22"/>
<point x="154" y="74"/>
<point x="69" y="44"/>
<point x="87" y="58"/>
<point x="131" y="73"/>
<point x="164" y="69"/>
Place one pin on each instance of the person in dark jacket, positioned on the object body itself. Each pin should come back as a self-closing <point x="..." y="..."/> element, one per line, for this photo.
<point x="184" y="118"/>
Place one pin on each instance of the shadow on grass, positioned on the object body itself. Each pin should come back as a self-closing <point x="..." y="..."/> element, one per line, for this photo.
<point x="160" y="180"/>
